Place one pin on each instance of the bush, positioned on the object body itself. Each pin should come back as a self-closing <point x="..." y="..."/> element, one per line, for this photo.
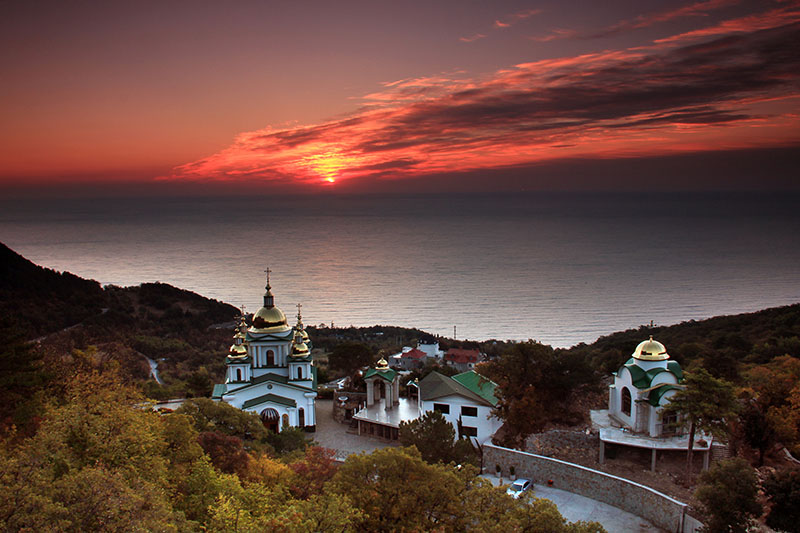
<point x="729" y="495"/>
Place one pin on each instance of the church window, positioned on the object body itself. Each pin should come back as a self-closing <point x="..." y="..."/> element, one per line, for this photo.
<point x="627" y="401"/>
<point x="299" y="372"/>
<point x="270" y="358"/>
<point x="238" y="374"/>
<point x="284" y="422"/>
<point x="301" y="418"/>
<point x="442" y="408"/>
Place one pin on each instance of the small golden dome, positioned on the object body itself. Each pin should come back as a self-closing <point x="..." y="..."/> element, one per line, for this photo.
<point x="650" y="350"/>
<point x="238" y="350"/>
<point x="382" y="364"/>
<point x="299" y="348"/>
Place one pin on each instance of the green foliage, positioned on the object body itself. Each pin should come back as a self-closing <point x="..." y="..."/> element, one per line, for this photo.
<point x="350" y="356"/>
<point x="210" y="416"/>
<point x="706" y="403"/>
<point x="435" y="438"/>
<point x="287" y="441"/>
<point x="22" y="377"/>
<point x="783" y="491"/>
<point x="536" y="385"/>
<point x="395" y="490"/>
<point x="729" y="495"/>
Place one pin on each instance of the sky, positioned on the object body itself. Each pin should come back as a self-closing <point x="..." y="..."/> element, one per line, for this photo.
<point x="445" y="96"/>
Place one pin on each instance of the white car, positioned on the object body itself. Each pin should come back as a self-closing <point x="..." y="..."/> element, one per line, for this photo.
<point x="518" y="487"/>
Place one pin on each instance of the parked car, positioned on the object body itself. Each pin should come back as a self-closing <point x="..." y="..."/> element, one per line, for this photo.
<point x="518" y="487"/>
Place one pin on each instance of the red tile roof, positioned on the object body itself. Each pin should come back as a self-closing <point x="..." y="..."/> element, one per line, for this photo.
<point x="459" y="355"/>
<point x="414" y="354"/>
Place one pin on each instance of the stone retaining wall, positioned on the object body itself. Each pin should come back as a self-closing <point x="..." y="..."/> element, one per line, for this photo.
<point x="661" y="510"/>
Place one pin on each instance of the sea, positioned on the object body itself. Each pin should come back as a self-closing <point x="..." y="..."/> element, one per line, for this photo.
<point x="560" y="268"/>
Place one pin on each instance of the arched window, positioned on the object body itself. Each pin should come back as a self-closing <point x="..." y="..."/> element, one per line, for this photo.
<point x="627" y="401"/>
<point x="238" y="374"/>
<point x="301" y="418"/>
<point x="299" y="372"/>
<point x="284" y="422"/>
<point x="270" y="358"/>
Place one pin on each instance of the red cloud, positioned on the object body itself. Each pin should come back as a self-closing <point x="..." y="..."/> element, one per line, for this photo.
<point x="733" y="92"/>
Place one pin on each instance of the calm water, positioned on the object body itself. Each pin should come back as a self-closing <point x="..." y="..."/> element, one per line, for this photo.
<point x="560" y="268"/>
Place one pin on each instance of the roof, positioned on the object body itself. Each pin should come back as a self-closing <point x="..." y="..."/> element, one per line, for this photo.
<point x="276" y="378"/>
<point x="478" y="384"/>
<point x="460" y="355"/>
<point x="269" y="398"/>
<point x="468" y="385"/>
<point x="388" y="374"/>
<point x="656" y="394"/>
<point x="643" y="380"/>
<point x="413" y="354"/>
<point x="218" y="391"/>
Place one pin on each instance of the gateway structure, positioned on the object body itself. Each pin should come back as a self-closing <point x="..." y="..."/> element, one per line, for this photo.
<point x="270" y="370"/>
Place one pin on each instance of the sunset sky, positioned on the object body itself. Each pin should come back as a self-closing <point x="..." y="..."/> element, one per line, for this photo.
<point x="399" y="96"/>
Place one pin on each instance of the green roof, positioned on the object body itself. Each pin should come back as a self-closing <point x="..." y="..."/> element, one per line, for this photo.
<point x="219" y="390"/>
<point x="478" y="384"/>
<point x="642" y="379"/>
<point x="436" y="385"/>
<point x="277" y="378"/>
<point x="656" y="394"/>
<point x="638" y="376"/>
<point x="387" y="374"/>
<point x="269" y="398"/>
<point x="675" y="368"/>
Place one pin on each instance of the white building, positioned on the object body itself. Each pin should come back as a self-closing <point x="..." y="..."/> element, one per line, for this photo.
<point x="641" y="389"/>
<point x="466" y="401"/>
<point x="270" y="370"/>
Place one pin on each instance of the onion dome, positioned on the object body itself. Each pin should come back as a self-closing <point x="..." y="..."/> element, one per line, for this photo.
<point x="382" y="364"/>
<point x="238" y="350"/>
<point x="300" y="328"/>
<point x="650" y="350"/>
<point x="269" y="319"/>
<point x="299" y="348"/>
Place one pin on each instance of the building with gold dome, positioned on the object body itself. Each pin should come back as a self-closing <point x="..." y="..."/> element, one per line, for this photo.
<point x="641" y="389"/>
<point x="270" y="370"/>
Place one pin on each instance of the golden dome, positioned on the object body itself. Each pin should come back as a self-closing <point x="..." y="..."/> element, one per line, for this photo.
<point x="299" y="350"/>
<point x="269" y="318"/>
<point x="382" y="364"/>
<point x="650" y="350"/>
<point x="238" y="350"/>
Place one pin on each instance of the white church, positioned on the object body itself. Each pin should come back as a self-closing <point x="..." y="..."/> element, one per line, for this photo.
<point x="270" y="371"/>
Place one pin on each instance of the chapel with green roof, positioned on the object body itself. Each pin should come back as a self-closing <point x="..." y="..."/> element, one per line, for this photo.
<point x="641" y="389"/>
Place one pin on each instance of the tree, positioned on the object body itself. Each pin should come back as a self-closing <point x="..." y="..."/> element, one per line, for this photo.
<point x="757" y="430"/>
<point x="431" y="434"/>
<point x="350" y="356"/>
<point x="729" y="495"/>
<point x="535" y="386"/>
<point x="705" y="403"/>
<point x="397" y="491"/>
<point x="312" y="471"/>
<point x="783" y="491"/>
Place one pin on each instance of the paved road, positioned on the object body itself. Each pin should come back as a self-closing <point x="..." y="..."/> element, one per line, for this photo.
<point x="574" y="508"/>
